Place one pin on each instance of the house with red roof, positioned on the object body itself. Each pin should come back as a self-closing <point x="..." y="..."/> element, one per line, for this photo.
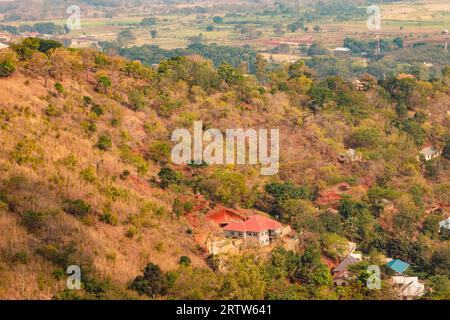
<point x="257" y="229"/>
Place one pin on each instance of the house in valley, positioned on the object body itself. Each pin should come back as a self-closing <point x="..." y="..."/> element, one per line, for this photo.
<point x="341" y="275"/>
<point x="429" y="153"/>
<point x="408" y="288"/>
<point x="444" y="225"/>
<point x="256" y="229"/>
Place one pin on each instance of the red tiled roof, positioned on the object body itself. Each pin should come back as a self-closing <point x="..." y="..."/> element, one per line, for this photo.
<point x="255" y="223"/>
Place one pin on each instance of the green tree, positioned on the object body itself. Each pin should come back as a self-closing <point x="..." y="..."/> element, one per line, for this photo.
<point x="152" y="283"/>
<point x="7" y="63"/>
<point x="168" y="176"/>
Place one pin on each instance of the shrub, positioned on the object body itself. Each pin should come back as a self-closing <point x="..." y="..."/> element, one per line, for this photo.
<point x="116" y="193"/>
<point x="7" y="64"/>
<point x="87" y="100"/>
<point x="97" y="109"/>
<point x="104" y="142"/>
<point x="160" y="151"/>
<point x="52" y="111"/>
<point x="131" y="232"/>
<point x="69" y="162"/>
<point x="109" y="218"/>
<point x="88" y="174"/>
<point x="168" y="176"/>
<point x="365" y="137"/>
<point x="59" y="87"/>
<point x="134" y="159"/>
<point x="103" y="83"/>
<point x="27" y="152"/>
<point x="185" y="261"/>
<point x="89" y="126"/>
<point x="20" y="257"/>
<point x="125" y="174"/>
<point x="78" y="208"/>
<point x="33" y="221"/>
<point x="136" y="99"/>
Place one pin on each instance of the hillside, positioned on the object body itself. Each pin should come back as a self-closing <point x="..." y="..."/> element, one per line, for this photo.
<point x="86" y="176"/>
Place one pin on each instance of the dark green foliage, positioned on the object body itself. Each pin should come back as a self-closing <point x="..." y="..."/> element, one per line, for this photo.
<point x="168" y="176"/>
<point x="151" y="54"/>
<point x="446" y="151"/>
<point x="28" y="46"/>
<point x="152" y="283"/>
<point x="185" y="261"/>
<point x="103" y="83"/>
<point x="59" y="87"/>
<point x="150" y="21"/>
<point x="97" y="109"/>
<point x="287" y="190"/>
<point x="33" y="221"/>
<point x="78" y="208"/>
<point x="104" y="142"/>
<point x="7" y="66"/>
<point x="52" y="111"/>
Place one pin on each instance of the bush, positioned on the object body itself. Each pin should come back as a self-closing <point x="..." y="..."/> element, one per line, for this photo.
<point x="109" y="218"/>
<point x="7" y="64"/>
<point x="152" y="283"/>
<point x="103" y="83"/>
<point x="89" y="126"/>
<point x="52" y="111"/>
<point x="104" y="142"/>
<point x="134" y="159"/>
<point x="59" y="87"/>
<point x="185" y="261"/>
<point x="33" y="221"/>
<point x="88" y="174"/>
<point x="131" y="232"/>
<point x="168" y="176"/>
<point x="365" y="137"/>
<point x="27" y="152"/>
<point x="160" y="151"/>
<point x="97" y="109"/>
<point x="20" y="257"/>
<point x="78" y="208"/>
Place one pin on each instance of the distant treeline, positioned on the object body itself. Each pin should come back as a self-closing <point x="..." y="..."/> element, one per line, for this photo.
<point x="41" y="27"/>
<point x="151" y="54"/>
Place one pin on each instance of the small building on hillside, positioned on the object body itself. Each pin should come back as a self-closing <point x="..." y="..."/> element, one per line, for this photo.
<point x="408" y="288"/>
<point x="342" y="51"/>
<point x="257" y="229"/>
<point x="430" y="152"/>
<point x="341" y="274"/>
<point x="398" y="265"/>
<point x="444" y="224"/>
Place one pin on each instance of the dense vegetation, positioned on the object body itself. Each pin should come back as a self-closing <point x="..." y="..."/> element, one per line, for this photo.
<point x="86" y="176"/>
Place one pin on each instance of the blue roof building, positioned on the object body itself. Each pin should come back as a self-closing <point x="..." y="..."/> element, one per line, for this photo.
<point x="398" y="265"/>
